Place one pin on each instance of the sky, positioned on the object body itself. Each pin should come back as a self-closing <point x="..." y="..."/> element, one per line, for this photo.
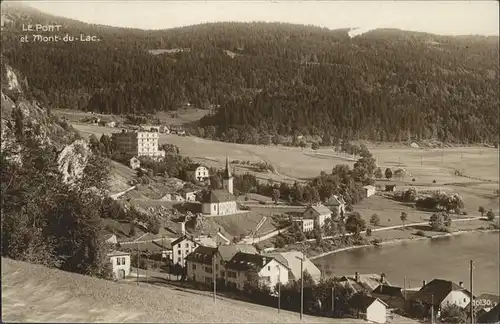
<point x="438" y="17"/>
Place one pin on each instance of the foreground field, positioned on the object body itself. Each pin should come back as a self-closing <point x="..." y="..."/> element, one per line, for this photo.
<point x="33" y="293"/>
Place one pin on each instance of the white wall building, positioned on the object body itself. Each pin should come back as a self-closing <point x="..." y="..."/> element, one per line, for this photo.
<point x="306" y="224"/>
<point x="184" y="245"/>
<point x="369" y="191"/>
<point x="197" y="172"/>
<point x="317" y="212"/>
<point x="138" y="143"/>
<point x="120" y="263"/>
<point x="371" y="309"/>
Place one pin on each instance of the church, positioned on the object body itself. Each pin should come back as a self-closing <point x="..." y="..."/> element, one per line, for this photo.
<point x="220" y="202"/>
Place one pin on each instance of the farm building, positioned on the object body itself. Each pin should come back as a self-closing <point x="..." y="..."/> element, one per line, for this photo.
<point x="306" y="225"/>
<point x="369" y="191"/>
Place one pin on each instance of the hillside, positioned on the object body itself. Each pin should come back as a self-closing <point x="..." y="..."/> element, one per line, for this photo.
<point x="272" y="78"/>
<point x="36" y="293"/>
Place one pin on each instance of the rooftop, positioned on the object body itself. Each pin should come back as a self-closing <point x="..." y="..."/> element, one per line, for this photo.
<point x="247" y="261"/>
<point x="227" y="252"/>
<point x="438" y="289"/>
<point x="320" y="209"/>
<point x="290" y="259"/>
<point x="218" y="196"/>
<point x="117" y="253"/>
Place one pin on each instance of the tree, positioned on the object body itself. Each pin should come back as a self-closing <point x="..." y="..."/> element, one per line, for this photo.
<point x="404" y="217"/>
<point x="315" y="146"/>
<point x="378" y="173"/>
<point x="355" y="223"/>
<point x="368" y="232"/>
<point x="482" y="210"/>
<point x="375" y="220"/>
<point x="440" y="221"/>
<point x="453" y="314"/>
<point x="491" y="215"/>
<point x="131" y="231"/>
<point x="276" y="196"/>
<point x="388" y="173"/>
<point x="399" y="173"/>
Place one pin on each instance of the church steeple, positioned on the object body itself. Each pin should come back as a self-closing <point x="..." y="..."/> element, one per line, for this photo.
<point x="227" y="178"/>
<point x="227" y="172"/>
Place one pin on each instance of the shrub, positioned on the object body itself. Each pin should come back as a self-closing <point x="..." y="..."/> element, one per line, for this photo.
<point x="433" y="181"/>
<point x="413" y="179"/>
<point x="376" y="241"/>
<point x="420" y="233"/>
<point x="491" y="215"/>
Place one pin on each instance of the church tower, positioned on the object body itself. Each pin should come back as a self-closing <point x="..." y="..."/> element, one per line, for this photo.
<point x="227" y="178"/>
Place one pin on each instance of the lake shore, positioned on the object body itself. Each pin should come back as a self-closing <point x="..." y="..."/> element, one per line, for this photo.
<point x="390" y="240"/>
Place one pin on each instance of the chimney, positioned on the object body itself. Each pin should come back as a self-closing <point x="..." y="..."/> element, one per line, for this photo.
<point x="461" y="284"/>
<point x="183" y="228"/>
<point x="356" y="276"/>
<point x="424" y="283"/>
<point x="382" y="277"/>
<point x="263" y="261"/>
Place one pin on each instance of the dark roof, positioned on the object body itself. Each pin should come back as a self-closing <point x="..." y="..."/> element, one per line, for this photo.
<point x="180" y="239"/>
<point x="362" y="302"/>
<point x="227" y="252"/>
<point x="437" y="289"/>
<point x="202" y="254"/>
<point x="387" y="290"/>
<point x="218" y="196"/>
<point x="193" y="166"/>
<point x="247" y="261"/>
<point x="493" y="316"/>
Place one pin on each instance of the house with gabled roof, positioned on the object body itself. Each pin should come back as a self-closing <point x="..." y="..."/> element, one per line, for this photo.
<point x="318" y="212"/>
<point x="184" y="245"/>
<point x="219" y="202"/>
<point x="291" y="260"/>
<point x="440" y="293"/>
<point x="370" y="308"/>
<point x="270" y="270"/>
<point x="197" y="172"/>
<point x="393" y="296"/>
<point x="363" y="282"/>
<point x="336" y="204"/>
<point x="120" y="263"/>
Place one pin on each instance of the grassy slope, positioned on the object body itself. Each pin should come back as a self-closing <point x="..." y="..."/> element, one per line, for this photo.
<point x="36" y="293"/>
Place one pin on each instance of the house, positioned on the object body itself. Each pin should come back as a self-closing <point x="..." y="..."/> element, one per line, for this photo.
<point x="393" y="296"/>
<point x="111" y="239"/>
<point x="173" y="196"/>
<point x="184" y="245"/>
<point x="305" y="224"/>
<point x="363" y="282"/>
<point x="370" y="308"/>
<point x="120" y="263"/>
<point x="134" y="163"/>
<point x="493" y="316"/>
<point x="201" y="261"/>
<point x="269" y="270"/>
<point x="369" y="190"/>
<point x="200" y="264"/>
<point x="390" y="188"/>
<point x="336" y="204"/>
<point x="164" y="129"/>
<point x="221" y="202"/>
<point x="197" y="172"/>
<point x="319" y="213"/>
<point x="188" y="194"/>
<point x="441" y="293"/>
<point x="110" y="124"/>
<point x="291" y="260"/>
<point x="176" y="129"/>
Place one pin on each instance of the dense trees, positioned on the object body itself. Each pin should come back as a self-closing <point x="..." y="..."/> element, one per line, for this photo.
<point x="284" y="79"/>
<point x="45" y="220"/>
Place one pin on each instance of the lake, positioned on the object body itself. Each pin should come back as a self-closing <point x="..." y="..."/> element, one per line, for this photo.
<point x="444" y="258"/>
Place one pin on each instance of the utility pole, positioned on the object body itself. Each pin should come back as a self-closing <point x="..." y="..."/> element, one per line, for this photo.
<point x="471" y="293"/>
<point x="301" y="285"/>
<point x="421" y="160"/>
<point x="214" y="278"/>
<point x="279" y="288"/>
<point x="432" y="308"/>
<point x="137" y="264"/>
<point x="333" y="300"/>
<point x="404" y="288"/>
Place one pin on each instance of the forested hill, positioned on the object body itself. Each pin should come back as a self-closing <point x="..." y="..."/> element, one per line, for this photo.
<point x="271" y="78"/>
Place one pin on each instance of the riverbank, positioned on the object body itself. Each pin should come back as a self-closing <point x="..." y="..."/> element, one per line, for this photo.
<point x="403" y="240"/>
<point x="399" y="234"/>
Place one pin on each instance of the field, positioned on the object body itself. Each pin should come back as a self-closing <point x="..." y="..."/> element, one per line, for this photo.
<point x="33" y="293"/>
<point x="478" y="167"/>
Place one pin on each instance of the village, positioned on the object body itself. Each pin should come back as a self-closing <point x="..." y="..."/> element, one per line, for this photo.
<point x="235" y="264"/>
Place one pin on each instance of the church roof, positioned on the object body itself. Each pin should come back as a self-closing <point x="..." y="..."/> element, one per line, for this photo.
<point x="227" y="173"/>
<point x="218" y="196"/>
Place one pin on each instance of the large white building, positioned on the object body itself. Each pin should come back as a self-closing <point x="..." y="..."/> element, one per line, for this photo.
<point x="137" y="144"/>
<point x="230" y="266"/>
<point x="319" y="213"/>
<point x="184" y="245"/>
<point x="197" y="172"/>
<point x="221" y="202"/>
